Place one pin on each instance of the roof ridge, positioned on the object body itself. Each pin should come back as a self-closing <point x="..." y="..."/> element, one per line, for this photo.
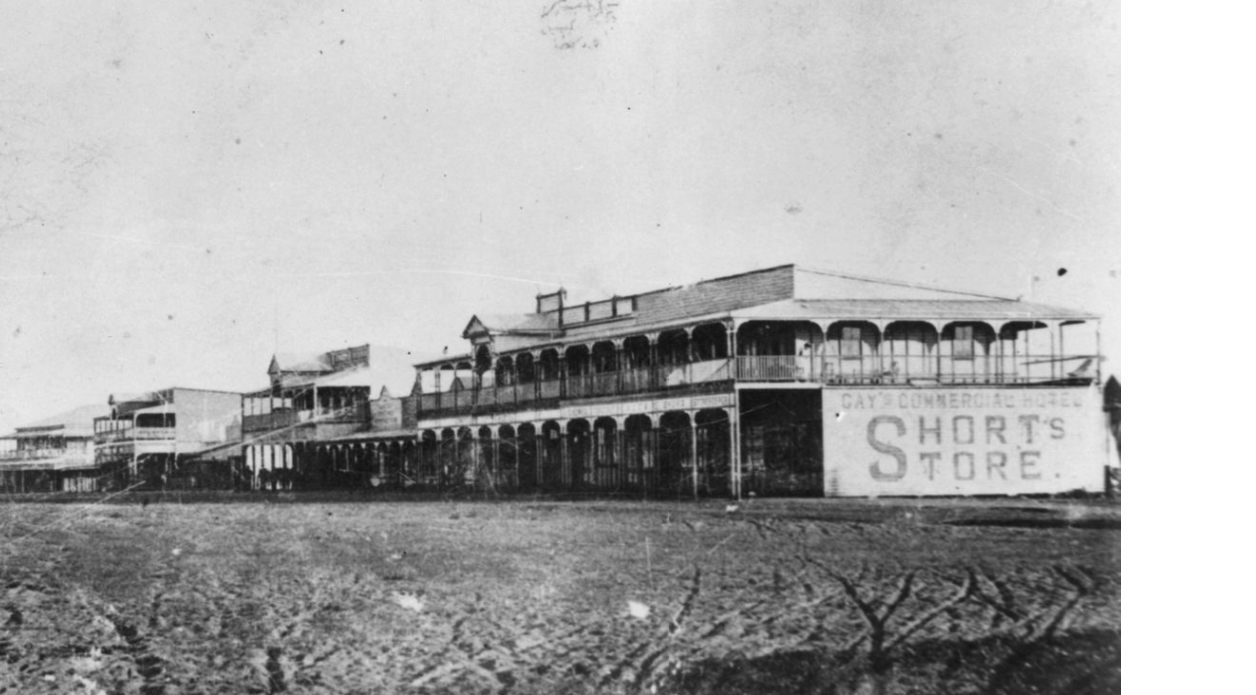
<point x="899" y="283"/>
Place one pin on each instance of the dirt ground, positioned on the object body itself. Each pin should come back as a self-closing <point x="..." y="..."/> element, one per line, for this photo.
<point x="292" y="594"/>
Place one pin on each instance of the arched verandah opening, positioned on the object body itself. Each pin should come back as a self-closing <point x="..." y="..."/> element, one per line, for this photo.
<point x="709" y="347"/>
<point x="578" y="364"/>
<point x="604" y="373"/>
<point x="300" y="466"/>
<point x="507" y="458"/>
<point x="393" y="463"/>
<point x="525" y="378"/>
<point x="710" y="342"/>
<point x="316" y="465"/>
<point x="607" y="475"/>
<point x="673" y="347"/>
<point x="429" y="460"/>
<point x="485" y="457"/>
<point x="967" y="353"/>
<point x="484" y="374"/>
<point x="1025" y="349"/>
<point x="525" y="368"/>
<point x="552" y="474"/>
<point x="527" y="457"/>
<point x="409" y="463"/>
<point x="713" y="450"/>
<point x="910" y="348"/>
<point x="637" y="367"/>
<point x="463" y="465"/>
<point x="359" y="466"/>
<point x="579" y="454"/>
<point x="505" y="371"/>
<point x="549" y="373"/>
<point x="337" y="468"/>
<point x="851" y="353"/>
<point x="779" y="350"/>
<point x="447" y="456"/>
<point x="675" y="471"/>
<point x="639" y="453"/>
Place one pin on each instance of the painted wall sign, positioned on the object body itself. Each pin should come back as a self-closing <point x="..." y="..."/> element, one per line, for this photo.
<point x="722" y="400"/>
<point x="962" y="441"/>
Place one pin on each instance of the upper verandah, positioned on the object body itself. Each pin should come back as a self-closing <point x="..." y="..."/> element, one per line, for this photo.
<point x="786" y="292"/>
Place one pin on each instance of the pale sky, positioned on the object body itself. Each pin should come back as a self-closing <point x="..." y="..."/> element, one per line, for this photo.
<point x="185" y="187"/>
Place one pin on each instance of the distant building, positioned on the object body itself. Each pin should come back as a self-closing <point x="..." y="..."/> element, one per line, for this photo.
<point x="325" y="414"/>
<point x="176" y="434"/>
<point x="778" y="381"/>
<point x="56" y="454"/>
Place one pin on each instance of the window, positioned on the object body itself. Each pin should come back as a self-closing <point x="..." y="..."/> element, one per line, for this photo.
<point x="852" y="342"/>
<point x="963" y="343"/>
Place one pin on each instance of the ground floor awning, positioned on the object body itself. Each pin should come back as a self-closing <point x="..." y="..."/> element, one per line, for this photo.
<point x="64" y="463"/>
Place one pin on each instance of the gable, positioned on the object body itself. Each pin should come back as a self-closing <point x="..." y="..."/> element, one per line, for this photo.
<point x="475" y="328"/>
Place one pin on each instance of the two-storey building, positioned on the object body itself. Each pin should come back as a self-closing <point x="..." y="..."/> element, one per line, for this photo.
<point x="53" y="454"/>
<point x="778" y="381"/>
<point x="148" y="439"/>
<point x="341" y="418"/>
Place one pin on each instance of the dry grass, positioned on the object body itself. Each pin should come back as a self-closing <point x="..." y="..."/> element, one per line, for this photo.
<point x="533" y="597"/>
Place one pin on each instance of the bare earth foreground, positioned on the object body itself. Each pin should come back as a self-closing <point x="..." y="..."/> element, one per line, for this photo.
<point x="291" y="594"/>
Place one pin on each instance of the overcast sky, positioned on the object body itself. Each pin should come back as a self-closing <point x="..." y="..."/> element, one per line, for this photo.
<point x="184" y="187"/>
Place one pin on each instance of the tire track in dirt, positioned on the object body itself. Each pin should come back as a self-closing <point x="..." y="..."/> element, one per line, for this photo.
<point x="1006" y="669"/>
<point x="881" y="639"/>
<point x="1081" y="589"/>
<point x="147" y="665"/>
<point x="1000" y="599"/>
<point x="649" y="665"/>
<point x="756" y="596"/>
<point x="638" y="665"/>
<point x="487" y="656"/>
<point x="963" y="592"/>
<point x="12" y="623"/>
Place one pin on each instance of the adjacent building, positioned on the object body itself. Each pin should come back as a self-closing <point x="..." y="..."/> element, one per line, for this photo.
<point x="341" y="418"/>
<point x="175" y="434"/>
<point x="56" y="454"/>
<point x="780" y="381"/>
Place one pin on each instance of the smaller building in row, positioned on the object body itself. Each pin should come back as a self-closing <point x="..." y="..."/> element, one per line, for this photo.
<point x="55" y="454"/>
<point x="324" y="414"/>
<point x="145" y="439"/>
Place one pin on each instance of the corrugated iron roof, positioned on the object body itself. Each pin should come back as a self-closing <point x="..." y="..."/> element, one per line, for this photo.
<point x="78" y="419"/>
<point x="301" y="362"/>
<point x="509" y="323"/>
<point x="907" y="309"/>
<point x="125" y="398"/>
<point x="386" y="369"/>
<point x="826" y="309"/>
<point x="445" y="359"/>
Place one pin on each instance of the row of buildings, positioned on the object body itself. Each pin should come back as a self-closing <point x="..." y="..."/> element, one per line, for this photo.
<point x="782" y="381"/>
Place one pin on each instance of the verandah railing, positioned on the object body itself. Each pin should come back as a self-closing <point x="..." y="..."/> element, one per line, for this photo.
<point x="578" y="386"/>
<point x="890" y="369"/>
